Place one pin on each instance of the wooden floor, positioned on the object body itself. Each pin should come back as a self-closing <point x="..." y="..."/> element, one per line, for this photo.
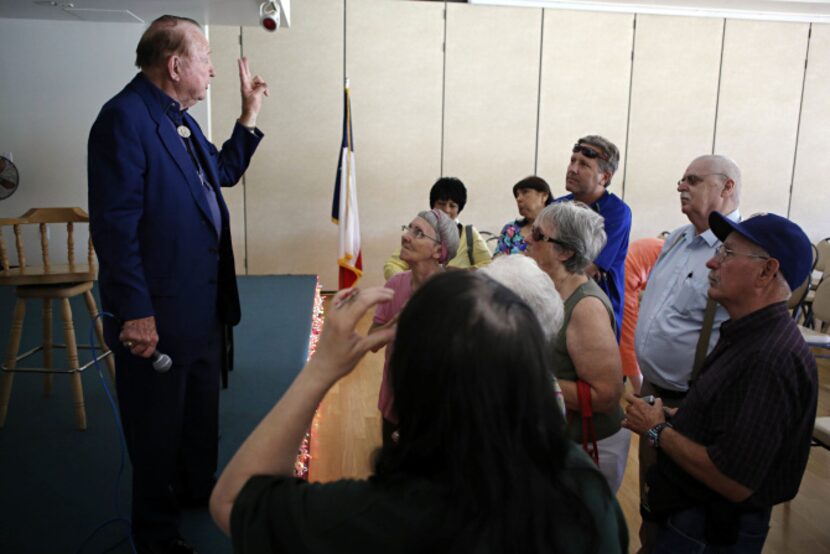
<point x="347" y="432"/>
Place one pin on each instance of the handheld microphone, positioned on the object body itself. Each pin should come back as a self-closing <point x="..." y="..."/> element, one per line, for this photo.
<point x="161" y="362"/>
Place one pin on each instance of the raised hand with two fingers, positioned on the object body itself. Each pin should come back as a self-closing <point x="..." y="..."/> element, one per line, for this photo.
<point x="252" y="88"/>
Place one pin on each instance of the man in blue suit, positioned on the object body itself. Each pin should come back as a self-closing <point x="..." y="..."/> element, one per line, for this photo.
<point x="161" y="231"/>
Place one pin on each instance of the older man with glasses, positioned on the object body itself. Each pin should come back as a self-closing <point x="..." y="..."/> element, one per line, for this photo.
<point x="594" y="160"/>
<point x="740" y="440"/>
<point x="678" y="325"/>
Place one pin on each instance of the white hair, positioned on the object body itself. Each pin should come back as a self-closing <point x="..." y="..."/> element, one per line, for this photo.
<point x="578" y="226"/>
<point x="521" y="275"/>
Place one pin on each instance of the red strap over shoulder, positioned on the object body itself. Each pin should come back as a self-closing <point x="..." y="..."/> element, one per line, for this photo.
<point x="589" y="434"/>
<point x="583" y="391"/>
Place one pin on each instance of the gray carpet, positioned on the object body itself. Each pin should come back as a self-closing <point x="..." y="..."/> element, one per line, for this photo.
<point x="57" y="484"/>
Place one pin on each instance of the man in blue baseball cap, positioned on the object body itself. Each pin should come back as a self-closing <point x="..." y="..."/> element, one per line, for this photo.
<point x="739" y="442"/>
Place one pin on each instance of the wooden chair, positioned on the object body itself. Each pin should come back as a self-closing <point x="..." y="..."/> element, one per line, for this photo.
<point x="822" y="255"/>
<point x="796" y="301"/>
<point x="818" y="336"/>
<point x="821" y="265"/>
<point x="821" y="432"/>
<point x="804" y="311"/>
<point x="49" y="282"/>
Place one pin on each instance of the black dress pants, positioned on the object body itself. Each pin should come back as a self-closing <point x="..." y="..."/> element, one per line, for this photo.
<point x="171" y="423"/>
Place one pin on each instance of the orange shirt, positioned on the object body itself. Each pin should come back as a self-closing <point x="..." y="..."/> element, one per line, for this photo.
<point x="641" y="257"/>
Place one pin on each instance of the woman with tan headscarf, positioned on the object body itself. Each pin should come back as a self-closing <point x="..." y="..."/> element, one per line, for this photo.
<point x="428" y="242"/>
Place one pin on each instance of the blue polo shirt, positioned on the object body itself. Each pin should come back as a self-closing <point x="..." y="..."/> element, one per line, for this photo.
<point x="611" y="260"/>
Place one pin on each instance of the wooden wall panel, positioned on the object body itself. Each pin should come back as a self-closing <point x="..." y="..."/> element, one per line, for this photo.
<point x="584" y="88"/>
<point x="810" y="194"/>
<point x="290" y="181"/>
<point x="760" y="94"/>
<point x="492" y="82"/>
<point x="673" y="102"/>
<point x="394" y="61"/>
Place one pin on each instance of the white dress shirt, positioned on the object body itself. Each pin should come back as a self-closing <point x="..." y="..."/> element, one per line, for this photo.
<point x="672" y="308"/>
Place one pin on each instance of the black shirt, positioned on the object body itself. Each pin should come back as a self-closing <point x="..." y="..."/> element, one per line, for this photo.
<point x="396" y="515"/>
<point x="754" y="406"/>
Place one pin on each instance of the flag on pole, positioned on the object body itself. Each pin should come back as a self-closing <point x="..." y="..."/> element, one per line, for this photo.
<point x="344" y="205"/>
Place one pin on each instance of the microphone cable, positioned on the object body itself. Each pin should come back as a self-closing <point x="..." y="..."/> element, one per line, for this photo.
<point x="118" y="519"/>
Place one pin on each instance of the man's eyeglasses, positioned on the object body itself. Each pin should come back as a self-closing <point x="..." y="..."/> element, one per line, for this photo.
<point x="589" y="152"/>
<point x="695" y="179"/>
<point x="723" y="252"/>
<point x="539" y="237"/>
<point x="417" y="233"/>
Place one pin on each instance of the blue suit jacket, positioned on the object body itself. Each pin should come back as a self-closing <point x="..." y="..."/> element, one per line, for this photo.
<point x="157" y="247"/>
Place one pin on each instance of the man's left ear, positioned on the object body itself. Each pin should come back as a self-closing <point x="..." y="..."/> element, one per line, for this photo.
<point x="173" y="65"/>
<point x="728" y="188"/>
<point x="769" y="269"/>
<point x="606" y="178"/>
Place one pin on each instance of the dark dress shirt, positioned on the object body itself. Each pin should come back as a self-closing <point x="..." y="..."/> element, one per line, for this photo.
<point x="753" y="407"/>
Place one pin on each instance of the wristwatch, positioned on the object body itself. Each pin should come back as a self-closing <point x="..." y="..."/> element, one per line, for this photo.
<point x="654" y="433"/>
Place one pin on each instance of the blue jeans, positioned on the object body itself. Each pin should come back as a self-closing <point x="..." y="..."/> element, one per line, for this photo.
<point x="684" y="534"/>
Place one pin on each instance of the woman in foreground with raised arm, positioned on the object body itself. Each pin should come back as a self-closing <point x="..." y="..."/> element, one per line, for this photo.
<point x="482" y="463"/>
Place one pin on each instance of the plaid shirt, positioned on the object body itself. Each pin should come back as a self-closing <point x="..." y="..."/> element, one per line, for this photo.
<point x="754" y="406"/>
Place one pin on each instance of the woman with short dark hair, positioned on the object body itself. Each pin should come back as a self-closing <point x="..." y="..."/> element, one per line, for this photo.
<point x="481" y="464"/>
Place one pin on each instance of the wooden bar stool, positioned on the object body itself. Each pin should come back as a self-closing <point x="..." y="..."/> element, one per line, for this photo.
<point x="50" y="282"/>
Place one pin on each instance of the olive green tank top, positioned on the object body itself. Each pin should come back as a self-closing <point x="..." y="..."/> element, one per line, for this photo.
<point x="606" y="424"/>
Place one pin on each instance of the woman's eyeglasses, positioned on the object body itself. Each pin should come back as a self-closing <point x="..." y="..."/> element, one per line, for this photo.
<point x="417" y="233"/>
<point x="539" y="237"/>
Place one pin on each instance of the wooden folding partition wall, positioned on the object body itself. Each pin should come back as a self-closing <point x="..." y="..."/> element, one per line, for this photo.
<point x="493" y="94"/>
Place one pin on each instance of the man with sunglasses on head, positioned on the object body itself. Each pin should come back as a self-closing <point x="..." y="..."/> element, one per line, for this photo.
<point x="674" y="305"/>
<point x="739" y="442"/>
<point x="594" y="160"/>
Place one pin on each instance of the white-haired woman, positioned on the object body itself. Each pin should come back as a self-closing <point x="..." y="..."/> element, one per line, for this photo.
<point x="522" y="275"/>
<point x="566" y="237"/>
<point x="428" y="242"/>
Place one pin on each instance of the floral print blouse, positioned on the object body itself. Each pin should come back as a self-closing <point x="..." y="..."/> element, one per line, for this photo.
<point x="511" y="240"/>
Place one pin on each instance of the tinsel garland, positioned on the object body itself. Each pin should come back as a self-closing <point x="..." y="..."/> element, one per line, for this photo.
<point x="304" y="455"/>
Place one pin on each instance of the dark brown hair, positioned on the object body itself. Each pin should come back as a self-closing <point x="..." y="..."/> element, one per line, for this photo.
<point x="534" y="183"/>
<point x="478" y="419"/>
